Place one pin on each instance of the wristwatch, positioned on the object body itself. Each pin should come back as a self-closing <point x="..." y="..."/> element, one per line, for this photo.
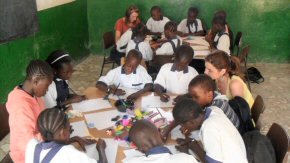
<point x="108" y="90"/>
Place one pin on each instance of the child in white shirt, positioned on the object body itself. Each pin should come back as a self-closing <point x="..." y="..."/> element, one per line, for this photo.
<point x="157" y="21"/>
<point x="191" y="26"/>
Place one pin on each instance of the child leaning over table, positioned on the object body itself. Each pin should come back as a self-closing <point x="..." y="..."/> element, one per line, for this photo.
<point x="55" y="129"/>
<point x="147" y="139"/>
<point x="130" y="75"/>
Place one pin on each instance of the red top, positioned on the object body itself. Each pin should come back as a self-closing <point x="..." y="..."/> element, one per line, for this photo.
<point x="23" y="112"/>
<point x="123" y="27"/>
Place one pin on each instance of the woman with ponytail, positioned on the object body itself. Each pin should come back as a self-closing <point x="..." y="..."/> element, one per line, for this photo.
<point x="225" y="70"/>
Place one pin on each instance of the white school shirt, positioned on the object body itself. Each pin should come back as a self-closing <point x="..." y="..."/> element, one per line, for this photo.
<point x="144" y="48"/>
<point x="223" y="43"/>
<point x="220" y="138"/>
<point x="166" y="48"/>
<point x="51" y="95"/>
<point x="173" y="81"/>
<point x="184" y="29"/>
<point x="156" y="26"/>
<point x="163" y="158"/>
<point x="67" y="154"/>
<point x="123" y="41"/>
<point x="135" y="80"/>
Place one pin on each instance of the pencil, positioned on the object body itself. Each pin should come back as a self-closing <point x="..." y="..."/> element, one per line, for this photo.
<point x="116" y="89"/>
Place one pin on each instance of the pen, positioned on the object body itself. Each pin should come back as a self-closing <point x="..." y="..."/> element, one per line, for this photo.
<point x="116" y="89"/>
<point x="159" y="113"/>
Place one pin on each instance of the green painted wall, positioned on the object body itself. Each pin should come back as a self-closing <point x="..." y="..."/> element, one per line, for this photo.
<point x="63" y="27"/>
<point x="264" y="23"/>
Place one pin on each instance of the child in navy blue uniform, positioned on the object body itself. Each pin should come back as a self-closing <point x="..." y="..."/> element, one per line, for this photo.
<point x="58" y="92"/>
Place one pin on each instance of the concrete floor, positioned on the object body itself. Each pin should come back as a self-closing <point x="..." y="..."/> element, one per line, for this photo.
<point x="275" y="91"/>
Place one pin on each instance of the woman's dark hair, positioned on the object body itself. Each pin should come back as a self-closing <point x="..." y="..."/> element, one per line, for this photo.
<point x="219" y="20"/>
<point x="39" y="69"/>
<point x="171" y="26"/>
<point x="57" y="58"/>
<point x="186" y="110"/>
<point x="131" y="9"/>
<point x="139" y="30"/>
<point x="221" y="60"/>
<point x="50" y="121"/>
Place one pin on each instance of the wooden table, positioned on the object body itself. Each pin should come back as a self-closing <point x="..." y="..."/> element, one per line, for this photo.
<point x="93" y="93"/>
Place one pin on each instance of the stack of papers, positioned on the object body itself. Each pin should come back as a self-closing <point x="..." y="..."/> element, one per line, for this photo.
<point x="91" y="105"/>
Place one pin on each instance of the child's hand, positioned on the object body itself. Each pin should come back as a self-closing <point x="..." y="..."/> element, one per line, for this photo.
<point x="164" y="97"/>
<point x="185" y="131"/>
<point x="182" y="148"/>
<point x="119" y="92"/>
<point x="82" y="142"/>
<point x="101" y="144"/>
<point x="165" y="132"/>
<point x="133" y="96"/>
<point x="77" y="98"/>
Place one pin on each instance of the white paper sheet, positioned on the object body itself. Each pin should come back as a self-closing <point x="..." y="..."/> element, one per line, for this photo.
<point x="91" y="105"/>
<point x="199" y="47"/>
<point x="128" y="91"/>
<point x="102" y="120"/>
<point x="80" y="129"/>
<point x="201" y="53"/>
<point x="176" y="133"/>
<point x="92" y="151"/>
<point x="154" y="101"/>
<point x="111" y="150"/>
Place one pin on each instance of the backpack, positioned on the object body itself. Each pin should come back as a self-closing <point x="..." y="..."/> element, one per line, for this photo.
<point x="259" y="148"/>
<point x="254" y="75"/>
<point x="242" y="109"/>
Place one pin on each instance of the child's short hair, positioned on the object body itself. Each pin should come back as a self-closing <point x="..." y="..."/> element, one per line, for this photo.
<point x="57" y="58"/>
<point x="203" y="81"/>
<point x="193" y="10"/>
<point x="51" y="121"/>
<point x="134" y="53"/>
<point x="155" y="8"/>
<point x="139" y="30"/>
<point x="219" y="20"/>
<point x="184" y="52"/>
<point x="171" y="26"/>
<point x="39" y="69"/>
<point x="186" y="110"/>
<point x="221" y="13"/>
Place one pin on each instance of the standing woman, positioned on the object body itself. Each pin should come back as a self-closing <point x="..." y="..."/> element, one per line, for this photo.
<point x="226" y="71"/>
<point x="130" y="20"/>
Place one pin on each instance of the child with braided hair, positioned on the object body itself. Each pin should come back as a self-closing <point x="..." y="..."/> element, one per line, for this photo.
<point x="55" y="131"/>
<point x="24" y="104"/>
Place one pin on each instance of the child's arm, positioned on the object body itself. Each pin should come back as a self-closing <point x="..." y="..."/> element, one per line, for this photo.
<point x="159" y="90"/>
<point x="165" y="132"/>
<point x="109" y="89"/>
<point x="147" y="88"/>
<point x="198" y="150"/>
<point x="101" y="145"/>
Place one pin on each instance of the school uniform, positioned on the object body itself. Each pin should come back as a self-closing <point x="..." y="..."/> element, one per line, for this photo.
<point x="66" y="153"/>
<point x="162" y="154"/>
<point x="143" y="46"/>
<point x="222" y="42"/>
<point x="169" y="47"/>
<point x="23" y="110"/>
<point x="57" y="93"/>
<point x="196" y="26"/>
<point x="136" y="80"/>
<point x="221" y="101"/>
<point x="156" y="26"/>
<point x="173" y="81"/>
<point x="122" y="43"/>
<point x="221" y="140"/>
